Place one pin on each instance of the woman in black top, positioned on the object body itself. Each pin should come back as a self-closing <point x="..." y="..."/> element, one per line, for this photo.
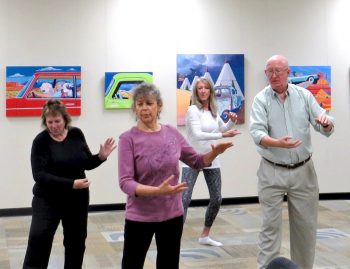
<point x="59" y="158"/>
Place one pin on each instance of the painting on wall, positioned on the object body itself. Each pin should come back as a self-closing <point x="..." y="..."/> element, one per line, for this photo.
<point x="29" y="87"/>
<point x="317" y="79"/>
<point x="225" y="71"/>
<point x="119" y="87"/>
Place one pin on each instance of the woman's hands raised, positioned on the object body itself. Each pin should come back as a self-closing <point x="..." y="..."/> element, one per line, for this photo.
<point x="215" y="151"/>
<point x="166" y="188"/>
<point x="106" y="148"/>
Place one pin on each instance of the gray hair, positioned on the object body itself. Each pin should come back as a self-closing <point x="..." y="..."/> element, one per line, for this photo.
<point x="145" y="90"/>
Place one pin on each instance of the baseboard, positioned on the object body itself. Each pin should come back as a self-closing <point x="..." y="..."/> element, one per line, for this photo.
<point x="27" y="211"/>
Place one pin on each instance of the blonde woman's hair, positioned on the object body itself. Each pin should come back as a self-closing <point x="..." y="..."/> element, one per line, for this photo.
<point x="212" y="98"/>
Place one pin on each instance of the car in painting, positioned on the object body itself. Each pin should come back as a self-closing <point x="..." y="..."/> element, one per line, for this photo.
<point x="312" y="78"/>
<point x="118" y="93"/>
<point x="29" y="101"/>
<point x="227" y="101"/>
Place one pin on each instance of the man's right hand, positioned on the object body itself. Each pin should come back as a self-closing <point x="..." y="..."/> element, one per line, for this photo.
<point x="282" y="142"/>
<point x="288" y="143"/>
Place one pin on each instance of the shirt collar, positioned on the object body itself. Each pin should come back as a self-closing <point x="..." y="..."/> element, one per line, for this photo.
<point x="273" y="93"/>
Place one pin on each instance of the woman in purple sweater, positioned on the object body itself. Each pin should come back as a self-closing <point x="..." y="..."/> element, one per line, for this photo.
<point x="148" y="162"/>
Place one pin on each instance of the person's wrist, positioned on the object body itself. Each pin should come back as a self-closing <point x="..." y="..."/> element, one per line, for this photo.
<point x="158" y="191"/>
<point x="102" y="158"/>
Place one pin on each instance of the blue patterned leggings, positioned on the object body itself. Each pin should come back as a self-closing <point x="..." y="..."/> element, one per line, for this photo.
<point x="213" y="179"/>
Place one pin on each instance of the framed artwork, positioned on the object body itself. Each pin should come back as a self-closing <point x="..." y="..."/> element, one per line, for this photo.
<point x="317" y="79"/>
<point x="119" y="87"/>
<point x="225" y="71"/>
<point x="29" y="87"/>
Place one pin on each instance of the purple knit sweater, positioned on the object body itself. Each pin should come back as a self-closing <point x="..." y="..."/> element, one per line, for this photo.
<point x="149" y="158"/>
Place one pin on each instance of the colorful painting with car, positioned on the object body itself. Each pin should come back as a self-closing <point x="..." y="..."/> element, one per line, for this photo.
<point x="317" y="79"/>
<point x="29" y="87"/>
<point x="119" y="87"/>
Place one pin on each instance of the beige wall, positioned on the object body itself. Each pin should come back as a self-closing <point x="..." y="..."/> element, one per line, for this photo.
<point x="130" y="35"/>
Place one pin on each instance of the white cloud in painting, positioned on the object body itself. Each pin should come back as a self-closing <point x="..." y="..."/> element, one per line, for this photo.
<point x="17" y="75"/>
<point x="49" y="68"/>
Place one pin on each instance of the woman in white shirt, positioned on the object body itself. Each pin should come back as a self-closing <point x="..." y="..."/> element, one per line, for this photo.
<point x="204" y="126"/>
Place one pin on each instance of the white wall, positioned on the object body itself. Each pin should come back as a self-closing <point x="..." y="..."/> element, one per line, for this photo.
<point x="131" y="35"/>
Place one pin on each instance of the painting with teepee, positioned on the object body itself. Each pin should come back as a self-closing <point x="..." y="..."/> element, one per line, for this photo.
<point x="225" y="71"/>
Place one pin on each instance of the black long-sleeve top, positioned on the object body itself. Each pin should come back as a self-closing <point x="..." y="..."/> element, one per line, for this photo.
<point x="55" y="165"/>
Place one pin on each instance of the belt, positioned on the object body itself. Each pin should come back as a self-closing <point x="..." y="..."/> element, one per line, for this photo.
<point x="290" y="166"/>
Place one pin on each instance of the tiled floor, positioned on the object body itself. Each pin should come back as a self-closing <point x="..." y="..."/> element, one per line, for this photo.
<point x="236" y="226"/>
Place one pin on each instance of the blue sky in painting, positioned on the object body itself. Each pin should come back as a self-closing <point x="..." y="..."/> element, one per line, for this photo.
<point x="308" y="70"/>
<point x="191" y="65"/>
<point x="22" y="74"/>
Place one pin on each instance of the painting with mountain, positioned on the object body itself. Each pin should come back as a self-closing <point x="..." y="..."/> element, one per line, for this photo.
<point x="225" y="71"/>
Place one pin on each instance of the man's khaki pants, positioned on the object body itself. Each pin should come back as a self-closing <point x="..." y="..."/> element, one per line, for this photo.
<point x="300" y="185"/>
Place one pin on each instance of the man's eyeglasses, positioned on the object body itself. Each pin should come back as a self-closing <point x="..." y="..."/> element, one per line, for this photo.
<point x="277" y="72"/>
